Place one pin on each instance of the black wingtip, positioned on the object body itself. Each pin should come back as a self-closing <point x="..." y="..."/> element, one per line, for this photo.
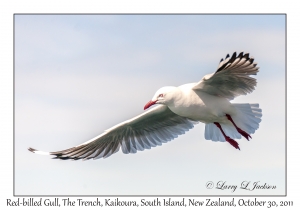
<point x="241" y="55"/>
<point x="31" y="149"/>
<point x="251" y="60"/>
<point x="234" y="54"/>
<point x="228" y="60"/>
<point x="61" y="158"/>
<point x="233" y="57"/>
<point x="246" y="56"/>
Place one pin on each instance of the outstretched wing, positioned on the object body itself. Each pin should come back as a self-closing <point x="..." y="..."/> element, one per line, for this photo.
<point x="152" y="128"/>
<point x="232" y="77"/>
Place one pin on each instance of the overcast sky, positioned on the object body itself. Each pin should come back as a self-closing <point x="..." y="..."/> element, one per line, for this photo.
<point x="77" y="75"/>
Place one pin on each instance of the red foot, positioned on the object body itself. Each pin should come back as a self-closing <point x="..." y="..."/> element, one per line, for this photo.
<point x="232" y="142"/>
<point x="243" y="133"/>
<point x="228" y="139"/>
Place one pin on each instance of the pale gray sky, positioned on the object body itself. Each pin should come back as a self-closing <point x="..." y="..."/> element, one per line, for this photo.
<point x="77" y="75"/>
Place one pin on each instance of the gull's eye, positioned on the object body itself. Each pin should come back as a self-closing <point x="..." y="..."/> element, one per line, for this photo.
<point x="161" y="95"/>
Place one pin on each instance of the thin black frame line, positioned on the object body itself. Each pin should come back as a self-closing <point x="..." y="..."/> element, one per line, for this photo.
<point x="14" y="194"/>
<point x="14" y="105"/>
<point x="150" y="13"/>
<point x="285" y="105"/>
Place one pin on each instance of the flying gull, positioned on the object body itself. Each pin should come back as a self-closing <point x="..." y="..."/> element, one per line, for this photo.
<point x="179" y="109"/>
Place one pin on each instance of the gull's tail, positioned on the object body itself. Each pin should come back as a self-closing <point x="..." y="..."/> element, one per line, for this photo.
<point x="247" y="117"/>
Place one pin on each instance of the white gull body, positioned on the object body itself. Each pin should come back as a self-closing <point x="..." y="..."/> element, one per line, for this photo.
<point x="196" y="105"/>
<point x="207" y="101"/>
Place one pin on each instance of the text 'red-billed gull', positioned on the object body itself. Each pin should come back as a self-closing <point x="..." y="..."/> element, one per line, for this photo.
<point x="179" y="109"/>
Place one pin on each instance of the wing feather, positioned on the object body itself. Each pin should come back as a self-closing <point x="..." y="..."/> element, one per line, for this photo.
<point x="232" y="78"/>
<point x="150" y="129"/>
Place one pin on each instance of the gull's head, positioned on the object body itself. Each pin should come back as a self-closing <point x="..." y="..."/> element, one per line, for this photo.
<point x="162" y="96"/>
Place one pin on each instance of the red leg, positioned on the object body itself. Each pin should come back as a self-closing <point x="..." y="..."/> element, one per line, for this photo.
<point x="243" y="133"/>
<point x="228" y="139"/>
